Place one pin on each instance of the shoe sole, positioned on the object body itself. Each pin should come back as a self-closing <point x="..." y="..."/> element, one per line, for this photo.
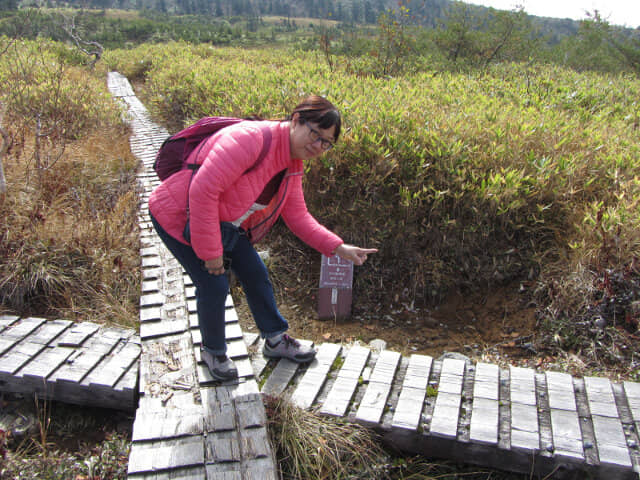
<point x="293" y="359"/>
<point x="221" y="378"/>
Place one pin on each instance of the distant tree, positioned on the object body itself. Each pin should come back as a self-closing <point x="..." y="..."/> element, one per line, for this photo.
<point x="8" y="5"/>
<point x="457" y="36"/>
<point x="480" y="39"/>
<point x="509" y="36"/>
<point x="592" y="48"/>
<point x="91" y="48"/>
<point x="629" y="48"/>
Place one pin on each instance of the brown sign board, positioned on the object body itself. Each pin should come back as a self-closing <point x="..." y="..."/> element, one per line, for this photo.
<point x="334" y="294"/>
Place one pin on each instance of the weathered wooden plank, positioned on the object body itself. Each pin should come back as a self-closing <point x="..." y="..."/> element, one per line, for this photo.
<point x="342" y="391"/>
<point x="165" y="455"/>
<point x="166" y="362"/>
<point x="225" y="471"/>
<point x="451" y="376"/>
<point x="150" y="314"/>
<point x="308" y="388"/>
<point x="77" y="334"/>
<point x="486" y="381"/>
<point x="567" y="436"/>
<point x="182" y="473"/>
<point x="254" y="444"/>
<point x="522" y="385"/>
<point x="85" y="359"/>
<point x="447" y="407"/>
<point x="484" y="420"/>
<point x="414" y="389"/>
<point x="250" y="411"/>
<point x="280" y="377"/>
<point x="222" y="447"/>
<point x="162" y="328"/>
<point x="6" y="321"/>
<point x="600" y="397"/>
<point x="259" y="469"/>
<point x="525" y="434"/>
<point x="18" y="331"/>
<point x="115" y="367"/>
<point x="150" y="286"/>
<point x="560" y="390"/>
<point x="43" y="365"/>
<point x="444" y="422"/>
<point x="19" y="355"/>
<point x="167" y="424"/>
<point x="151" y="300"/>
<point x="611" y="442"/>
<point x="219" y="409"/>
<point x="375" y="396"/>
<point x="632" y="392"/>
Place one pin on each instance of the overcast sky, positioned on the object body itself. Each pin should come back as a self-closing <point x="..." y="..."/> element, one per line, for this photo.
<point x="616" y="12"/>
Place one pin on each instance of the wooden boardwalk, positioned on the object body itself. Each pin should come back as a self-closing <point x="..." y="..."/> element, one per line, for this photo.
<point x="515" y="419"/>
<point x="77" y="363"/>
<point x="187" y="426"/>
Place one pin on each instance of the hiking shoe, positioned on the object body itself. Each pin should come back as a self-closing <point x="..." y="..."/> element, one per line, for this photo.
<point x="290" y="348"/>
<point x="220" y="366"/>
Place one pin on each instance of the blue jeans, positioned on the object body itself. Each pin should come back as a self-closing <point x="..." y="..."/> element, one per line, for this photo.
<point x="212" y="290"/>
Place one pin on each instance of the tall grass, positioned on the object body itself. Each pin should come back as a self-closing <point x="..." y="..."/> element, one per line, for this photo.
<point x="69" y="235"/>
<point x="467" y="181"/>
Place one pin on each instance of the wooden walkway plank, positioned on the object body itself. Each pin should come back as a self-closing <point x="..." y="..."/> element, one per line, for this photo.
<point x="344" y="387"/>
<point x="486" y="405"/>
<point x="77" y="334"/>
<point x="374" y="401"/>
<point x="632" y="392"/>
<point x="86" y="358"/>
<point x="414" y="390"/>
<point x="28" y="347"/>
<point x="565" y="424"/>
<point x="114" y="367"/>
<point x="6" y="321"/>
<point x="17" y="331"/>
<point x="447" y="407"/>
<point x="280" y="377"/>
<point x="309" y="386"/>
<point x="525" y="433"/>
<point x="151" y="457"/>
<point x="610" y="438"/>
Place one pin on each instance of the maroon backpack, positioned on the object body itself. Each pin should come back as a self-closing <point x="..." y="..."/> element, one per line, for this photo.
<point x="174" y="152"/>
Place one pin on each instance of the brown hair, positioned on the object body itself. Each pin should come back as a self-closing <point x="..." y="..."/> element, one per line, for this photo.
<point x="319" y="110"/>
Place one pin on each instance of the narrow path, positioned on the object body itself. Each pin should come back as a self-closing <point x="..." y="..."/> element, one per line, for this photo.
<point x="187" y="426"/>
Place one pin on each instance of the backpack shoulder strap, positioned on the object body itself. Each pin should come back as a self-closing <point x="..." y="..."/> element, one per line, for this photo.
<point x="266" y="146"/>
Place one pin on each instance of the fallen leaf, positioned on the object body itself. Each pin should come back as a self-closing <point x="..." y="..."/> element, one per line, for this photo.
<point x="327" y="336"/>
<point x="515" y="335"/>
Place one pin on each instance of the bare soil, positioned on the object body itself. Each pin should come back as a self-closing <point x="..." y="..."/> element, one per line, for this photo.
<point x="498" y="326"/>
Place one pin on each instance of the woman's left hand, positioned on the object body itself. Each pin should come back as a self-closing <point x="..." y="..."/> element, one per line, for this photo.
<point x="356" y="254"/>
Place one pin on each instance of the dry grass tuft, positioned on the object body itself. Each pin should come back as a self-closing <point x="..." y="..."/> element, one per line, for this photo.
<point x="69" y="240"/>
<point x="309" y="446"/>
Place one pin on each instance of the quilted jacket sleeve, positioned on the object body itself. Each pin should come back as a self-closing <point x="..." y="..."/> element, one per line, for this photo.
<point x="304" y="225"/>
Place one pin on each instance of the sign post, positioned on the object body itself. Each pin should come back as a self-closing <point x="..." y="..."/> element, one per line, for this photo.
<point x="334" y="294"/>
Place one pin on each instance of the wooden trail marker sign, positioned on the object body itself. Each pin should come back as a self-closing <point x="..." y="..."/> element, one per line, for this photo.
<point x="334" y="294"/>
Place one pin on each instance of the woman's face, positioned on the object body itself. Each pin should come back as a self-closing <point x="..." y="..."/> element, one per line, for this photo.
<point x="307" y="140"/>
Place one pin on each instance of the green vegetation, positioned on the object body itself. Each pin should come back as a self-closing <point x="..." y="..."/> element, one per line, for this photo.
<point x="477" y="153"/>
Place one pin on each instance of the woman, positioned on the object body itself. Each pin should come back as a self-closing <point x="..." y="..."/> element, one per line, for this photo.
<point x="250" y="174"/>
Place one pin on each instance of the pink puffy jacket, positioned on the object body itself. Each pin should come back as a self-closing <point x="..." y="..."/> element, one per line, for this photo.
<point x="225" y="186"/>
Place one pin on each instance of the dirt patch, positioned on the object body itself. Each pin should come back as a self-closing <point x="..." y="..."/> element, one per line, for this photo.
<point x="498" y="326"/>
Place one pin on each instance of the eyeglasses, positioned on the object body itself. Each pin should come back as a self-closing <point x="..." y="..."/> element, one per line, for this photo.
<point x="315" y="136"/>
